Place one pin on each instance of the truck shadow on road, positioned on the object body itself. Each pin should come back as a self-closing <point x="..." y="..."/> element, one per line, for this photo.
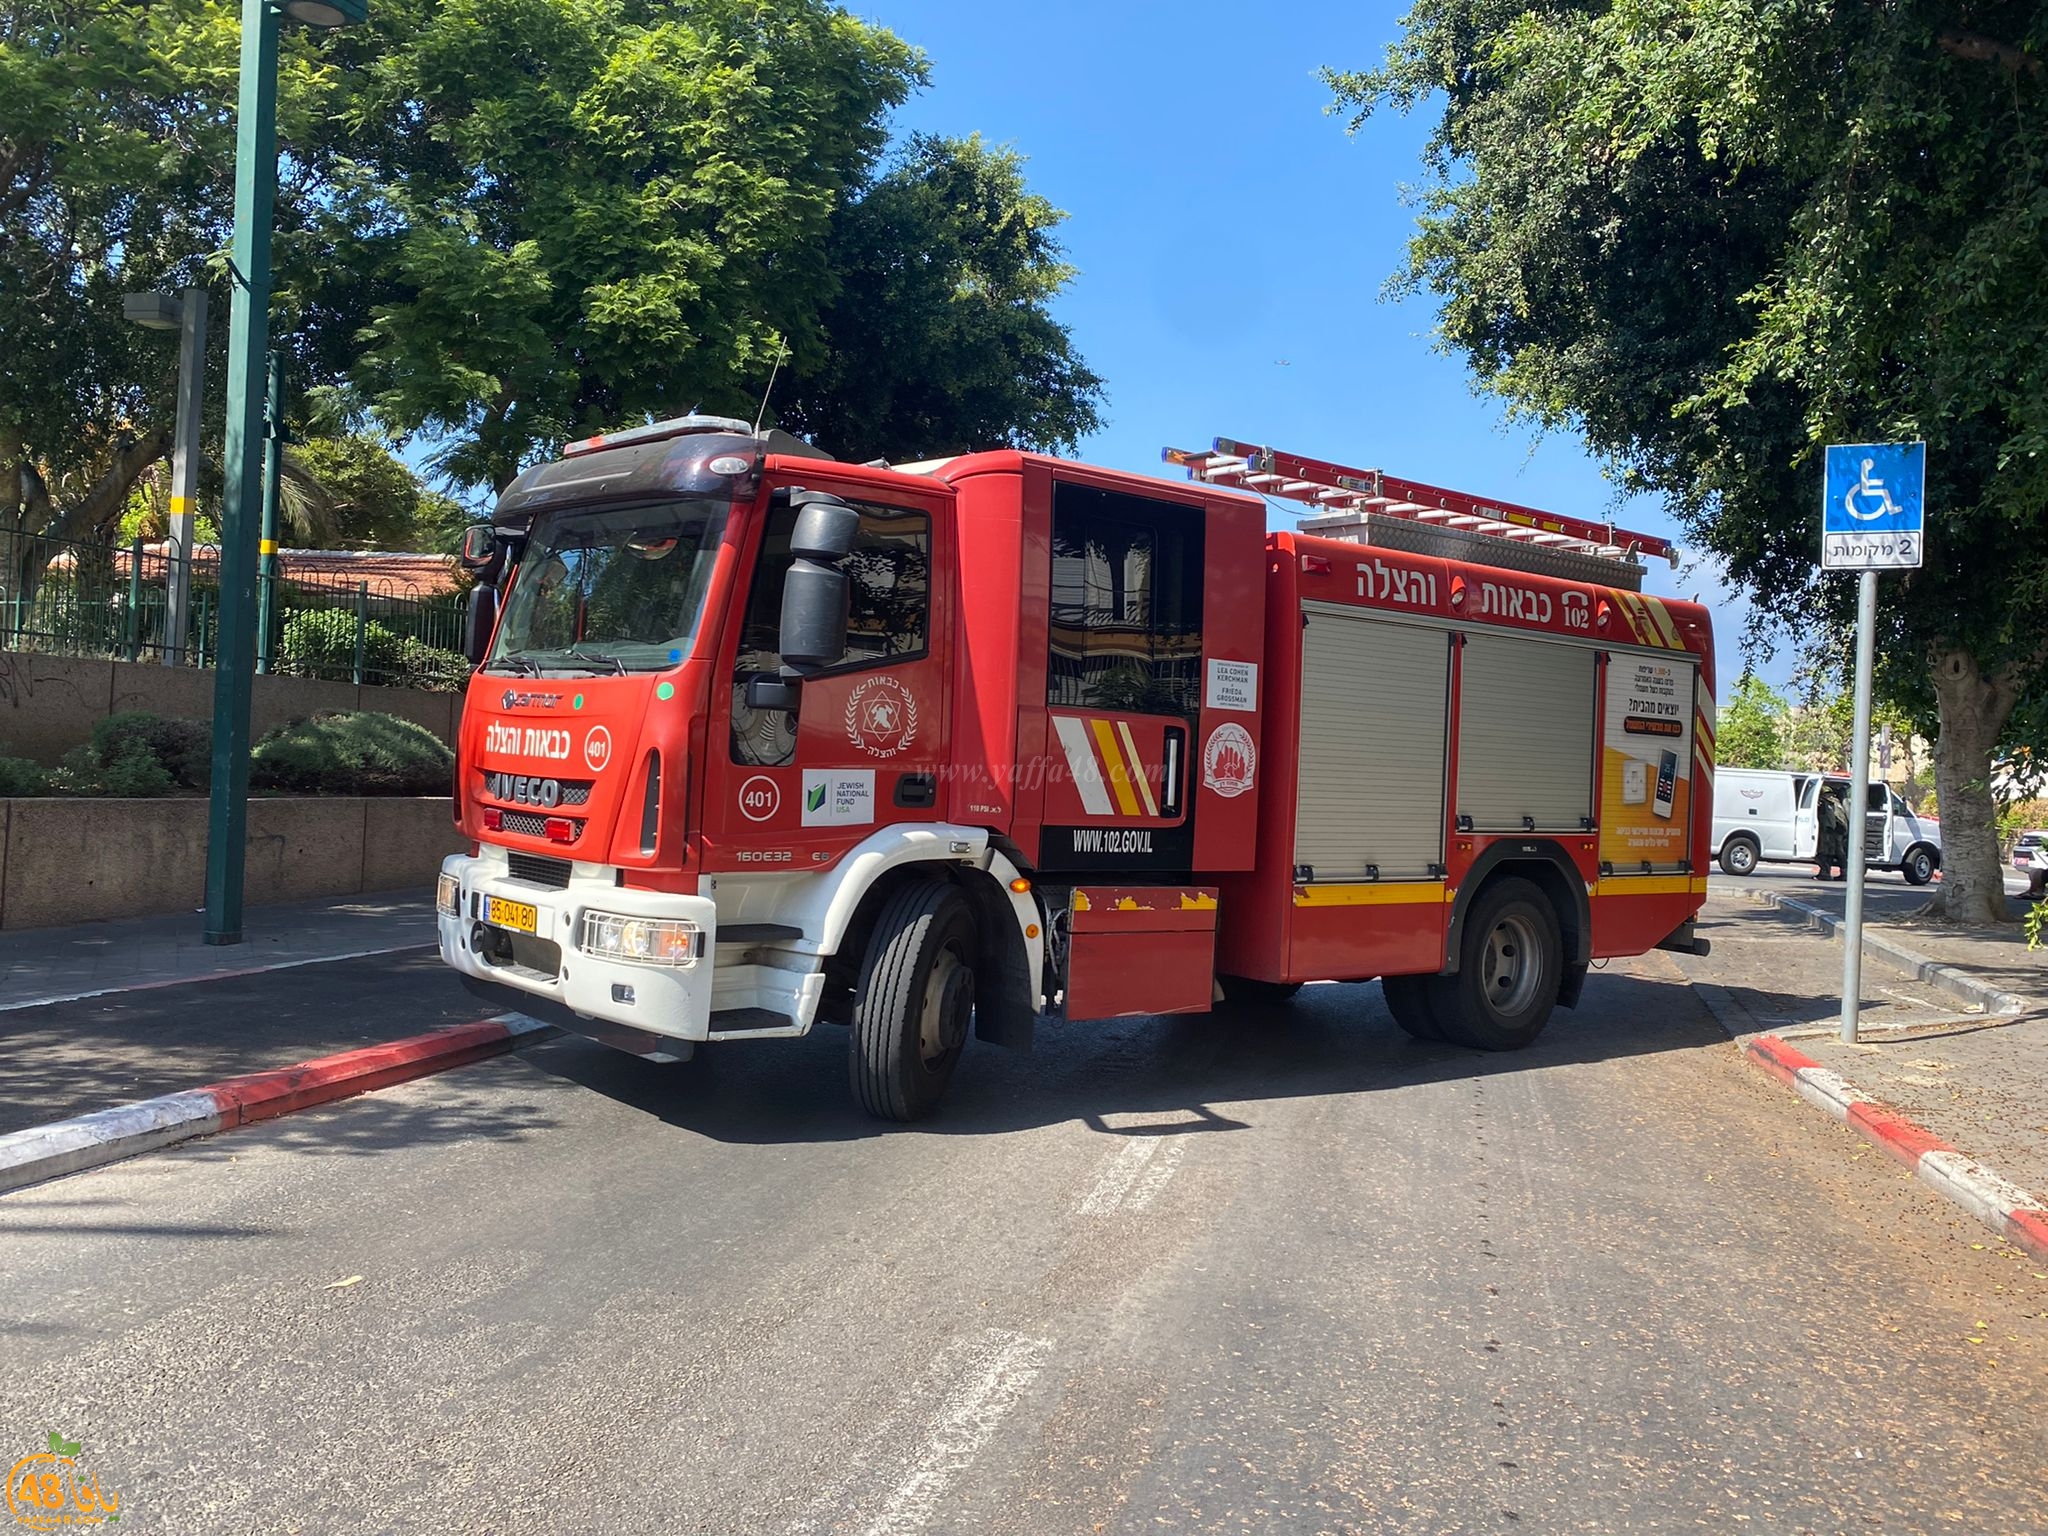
<point x="1331" y="1040"/>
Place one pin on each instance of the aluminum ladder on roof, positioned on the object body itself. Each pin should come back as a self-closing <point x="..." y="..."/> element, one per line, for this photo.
<point x="1372" y="507"/>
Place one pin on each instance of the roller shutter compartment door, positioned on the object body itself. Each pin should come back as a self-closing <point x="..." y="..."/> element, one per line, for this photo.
<point x="1525" y="734"/>
<point x="1374" y="701"/>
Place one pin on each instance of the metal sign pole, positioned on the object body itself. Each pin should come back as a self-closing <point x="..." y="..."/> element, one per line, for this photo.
<point x="1858" y="808"/>
<point x="1873" y="517"/>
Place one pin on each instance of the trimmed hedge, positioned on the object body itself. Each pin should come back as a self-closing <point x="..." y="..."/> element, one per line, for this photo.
<point x="22" y="777"/>
<point x="358" y="752"/>
<point x="323" y="644"/>
<point x="136" y="756"/>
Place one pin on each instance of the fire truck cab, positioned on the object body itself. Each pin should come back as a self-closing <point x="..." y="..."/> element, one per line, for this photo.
<point x="761" y="741"/>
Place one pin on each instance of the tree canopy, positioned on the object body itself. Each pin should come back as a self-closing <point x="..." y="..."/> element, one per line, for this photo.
<point x="504" y="223"/>
<point x="1713" y="236"/>
<point x="939" y="337"/>
<point x="1749" y="734"/>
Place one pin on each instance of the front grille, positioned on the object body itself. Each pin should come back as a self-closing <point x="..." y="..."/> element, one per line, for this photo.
<point x="526" y="824"/>
<point x="535" y="869"/>
<point x="572" y="791"/>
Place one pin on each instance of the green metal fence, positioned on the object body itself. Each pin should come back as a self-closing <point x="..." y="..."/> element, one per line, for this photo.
<point x="65" y="598"/>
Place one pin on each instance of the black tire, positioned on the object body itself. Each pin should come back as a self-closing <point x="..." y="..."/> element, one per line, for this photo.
<point x="1408" y="1000"/>
<point x="1511" y="962"/>
<point x="1245" y="992"/>
<point x="1919" y="866"/>
<point x="1739" y="855"/>
<point x="916" y="1000"/>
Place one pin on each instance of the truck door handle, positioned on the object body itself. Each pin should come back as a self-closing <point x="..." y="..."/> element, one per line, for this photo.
<point x="915" y="791"/>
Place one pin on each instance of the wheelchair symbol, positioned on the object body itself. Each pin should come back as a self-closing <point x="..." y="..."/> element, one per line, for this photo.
<point x="1869" y="489"/>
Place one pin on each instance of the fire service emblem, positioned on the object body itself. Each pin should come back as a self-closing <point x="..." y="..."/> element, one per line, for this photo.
<point x="881" y="717"/>
<point x="1229" y="761"/>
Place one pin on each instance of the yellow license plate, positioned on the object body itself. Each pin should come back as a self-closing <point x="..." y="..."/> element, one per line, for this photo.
<point x="512" y="914"/>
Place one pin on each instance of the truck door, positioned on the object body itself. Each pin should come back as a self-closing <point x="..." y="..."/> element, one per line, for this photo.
<point x="790" y="789"/>
<point x="1124" y="683"/>
<point x="1806" y="821"/>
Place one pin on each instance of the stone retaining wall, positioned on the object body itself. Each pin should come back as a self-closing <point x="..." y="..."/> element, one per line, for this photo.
<point x="76" y="860"/>
<point x="48" y="704"/>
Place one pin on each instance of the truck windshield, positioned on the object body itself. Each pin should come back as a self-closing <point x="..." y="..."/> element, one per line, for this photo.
<point x="619" y="590"/>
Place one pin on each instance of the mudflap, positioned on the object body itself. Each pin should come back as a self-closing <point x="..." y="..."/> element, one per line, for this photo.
<point x="1140" y="949"/>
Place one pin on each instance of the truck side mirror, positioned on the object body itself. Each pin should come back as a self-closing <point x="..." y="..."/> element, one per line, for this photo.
<point x="816" y="604"/>
<point x="816" y="596"/>
<point x="478" y="621"/>
<point x="826" y="527"/>
<point x="482" y="553"/>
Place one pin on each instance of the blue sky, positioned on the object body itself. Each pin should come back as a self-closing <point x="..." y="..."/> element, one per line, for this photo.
<point x="1232" y="241"/>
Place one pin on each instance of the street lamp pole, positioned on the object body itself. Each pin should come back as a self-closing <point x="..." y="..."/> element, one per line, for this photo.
<point x="242" y="460"/>
<point x="185" y="471"/>
<point x="266" y="547"/>
<point x="187" y="316"/>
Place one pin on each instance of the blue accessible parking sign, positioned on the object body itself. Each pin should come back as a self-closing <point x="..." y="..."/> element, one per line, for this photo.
<point x="1873" y="512"/>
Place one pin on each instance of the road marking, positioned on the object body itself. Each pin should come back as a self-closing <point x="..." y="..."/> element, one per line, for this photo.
<point x="998" y="1370"/>
<point x="186" y="981"/>
<point x="1132" y="1179"/>
<point x="1114" y="1182"/>
<point x="1156" y="1173"/>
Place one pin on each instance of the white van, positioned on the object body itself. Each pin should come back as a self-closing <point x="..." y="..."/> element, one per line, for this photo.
<point x="1767" y="814"/>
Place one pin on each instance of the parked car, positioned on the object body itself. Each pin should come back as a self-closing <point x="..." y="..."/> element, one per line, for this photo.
<point x="2030" y="858"/>
<point x="1764" y="814"/>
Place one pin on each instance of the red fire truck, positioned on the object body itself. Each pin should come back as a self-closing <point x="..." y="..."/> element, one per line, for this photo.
<point x="761" y="741"/>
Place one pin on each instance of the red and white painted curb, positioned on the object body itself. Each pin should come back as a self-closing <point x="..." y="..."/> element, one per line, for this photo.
<point x="107" y="1135"/>
<point x="2002" y="1206"/>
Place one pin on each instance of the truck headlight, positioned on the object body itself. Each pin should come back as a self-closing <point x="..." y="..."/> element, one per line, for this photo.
<point x="448" y="895"/>
<point x="642" y="940"/>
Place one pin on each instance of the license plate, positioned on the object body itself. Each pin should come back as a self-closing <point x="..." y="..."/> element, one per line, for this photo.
<point x="512" y="914"/>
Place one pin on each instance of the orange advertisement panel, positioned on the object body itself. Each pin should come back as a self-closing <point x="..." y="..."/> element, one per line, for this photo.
<point x="1646" y="763"/>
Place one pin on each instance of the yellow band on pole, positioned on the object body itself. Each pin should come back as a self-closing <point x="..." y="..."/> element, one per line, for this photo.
<point x="266" y="546"/>
<point x="181" y="506"/>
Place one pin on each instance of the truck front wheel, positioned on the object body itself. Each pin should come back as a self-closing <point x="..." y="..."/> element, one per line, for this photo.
<point x="915" y="1003"/>
<point x="1511" y="963"/>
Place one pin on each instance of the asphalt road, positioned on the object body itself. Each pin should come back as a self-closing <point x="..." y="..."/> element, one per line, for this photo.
<point x="1287" y="1271"/>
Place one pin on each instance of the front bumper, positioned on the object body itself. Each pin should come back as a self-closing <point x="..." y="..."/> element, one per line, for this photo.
<point x="670" y="1002"/>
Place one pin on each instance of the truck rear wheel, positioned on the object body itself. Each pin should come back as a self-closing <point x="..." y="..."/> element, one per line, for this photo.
<point x="1919" y="866"/>
<point x="1511" y="963"/>
<point x="1408" y="1001"/>
<point x="915" y="1003"/>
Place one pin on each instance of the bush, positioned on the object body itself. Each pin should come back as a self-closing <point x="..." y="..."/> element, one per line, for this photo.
<point x="355" y="753"/>
<point x="323" y="644"/>
<point x="183" y="748"/>
<point x="20" y="776"/>
<point x="132" y="774"/>
<point x="137" y="756"/>
<point x="428" y="666"/>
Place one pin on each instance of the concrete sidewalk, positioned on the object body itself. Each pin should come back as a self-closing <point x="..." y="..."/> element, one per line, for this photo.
<point x="1976" y="1079"/>
<point x="1997" y="959"/>
<point x="107" y="1013"/>
<point x="46" y="965"/>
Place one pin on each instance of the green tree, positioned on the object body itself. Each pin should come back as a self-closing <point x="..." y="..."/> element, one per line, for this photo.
<point x="1750" y="730"/>
<point x="581" y="214"/>
<point x="352" y="492"/>
<point x="502" y="223"/>
<point x="1714" y="235"/>
<point x="105" y="186"/>
<point x="938" y="339"/>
